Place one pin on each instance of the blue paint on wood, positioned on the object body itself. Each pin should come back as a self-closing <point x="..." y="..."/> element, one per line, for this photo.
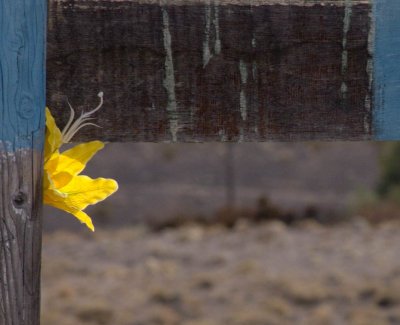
<point x="22" y="73"/>
<point x="387" y="70"/>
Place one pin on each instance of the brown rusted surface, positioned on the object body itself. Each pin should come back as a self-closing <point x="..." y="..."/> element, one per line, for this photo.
<point x="278" y="74"/>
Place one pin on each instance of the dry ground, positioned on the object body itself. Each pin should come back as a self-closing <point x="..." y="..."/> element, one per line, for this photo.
<point x="263" y="274"/>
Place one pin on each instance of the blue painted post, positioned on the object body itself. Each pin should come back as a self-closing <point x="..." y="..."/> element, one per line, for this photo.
<point x="22" y="104"/>
<point x="387" y="70"/>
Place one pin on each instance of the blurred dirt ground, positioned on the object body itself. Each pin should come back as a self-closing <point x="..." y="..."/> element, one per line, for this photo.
<point x="252" y="274"/>
<point x="264" y="273"/>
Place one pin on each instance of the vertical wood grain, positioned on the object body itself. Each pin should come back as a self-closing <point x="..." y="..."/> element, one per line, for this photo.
<point x="20" y="234"/>
<point x="387" y="70"/>
<point x="22" y="103"/>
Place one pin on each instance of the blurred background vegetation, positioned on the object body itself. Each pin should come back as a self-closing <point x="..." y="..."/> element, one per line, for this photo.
<point x="382" y="203"/>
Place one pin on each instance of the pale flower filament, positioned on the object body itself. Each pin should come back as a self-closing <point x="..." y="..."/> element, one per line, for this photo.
<point x="71" y="129"/>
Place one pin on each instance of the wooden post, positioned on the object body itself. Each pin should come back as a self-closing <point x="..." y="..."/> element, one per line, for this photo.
<point x="182" y="70"/>
<point x="22" y="103"/>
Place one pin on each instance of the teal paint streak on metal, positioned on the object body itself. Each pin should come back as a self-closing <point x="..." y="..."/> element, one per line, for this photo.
<point x="387" y="70"/>
<point x="22" y="73"/>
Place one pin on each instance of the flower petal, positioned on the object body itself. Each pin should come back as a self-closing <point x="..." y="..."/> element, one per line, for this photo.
<point x="49" y="190"/>
<point x="51" y="163"/>
<point x="53" y="139"/>
<point x="82" y="191"/>
<point x="82" y="216"/>
<point x="61" y="179"/>
<point x="75" y="159"/>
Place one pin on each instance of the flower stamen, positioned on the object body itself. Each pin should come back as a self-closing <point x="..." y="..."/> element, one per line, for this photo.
<point x="71" y="129"/>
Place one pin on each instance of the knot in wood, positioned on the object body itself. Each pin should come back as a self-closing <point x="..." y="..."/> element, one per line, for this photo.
<point x="27" y="106"/>
<point x="19" y="199"/>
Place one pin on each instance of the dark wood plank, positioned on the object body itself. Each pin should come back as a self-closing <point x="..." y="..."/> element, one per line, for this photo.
<point x="213" y="71"/>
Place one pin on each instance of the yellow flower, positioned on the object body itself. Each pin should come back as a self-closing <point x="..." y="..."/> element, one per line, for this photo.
<point x="63" y="187"/>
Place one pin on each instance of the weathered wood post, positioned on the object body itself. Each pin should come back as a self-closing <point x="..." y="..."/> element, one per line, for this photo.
<point x="22" y="104"/>
<point x="182" y="70"/>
